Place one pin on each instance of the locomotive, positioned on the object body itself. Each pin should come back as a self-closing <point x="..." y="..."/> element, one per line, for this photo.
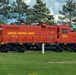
<point x="31" y="37"/>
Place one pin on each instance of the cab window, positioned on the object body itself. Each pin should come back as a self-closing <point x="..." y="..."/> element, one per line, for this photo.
<point x="64" y="31"/>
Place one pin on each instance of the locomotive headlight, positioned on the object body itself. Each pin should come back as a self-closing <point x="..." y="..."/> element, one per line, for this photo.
<point x="21" y="43"/>
<point x="2" y="43"/>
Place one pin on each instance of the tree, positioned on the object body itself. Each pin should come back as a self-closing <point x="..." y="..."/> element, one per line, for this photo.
<point x="4" y="11"/>
<point x="69" y="12"/>
<point x="39" y="14"/>
<point x="18" y="12"/>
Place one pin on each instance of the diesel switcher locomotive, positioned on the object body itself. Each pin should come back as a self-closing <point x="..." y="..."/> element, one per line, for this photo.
<point x="31" y="37"/>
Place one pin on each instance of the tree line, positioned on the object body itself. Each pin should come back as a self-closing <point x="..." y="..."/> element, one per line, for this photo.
<point x="21" y="13"/>
<point x="18" y="12"/>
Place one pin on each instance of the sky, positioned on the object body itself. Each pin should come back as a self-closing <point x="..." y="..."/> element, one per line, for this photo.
<point x="53" y="5"/>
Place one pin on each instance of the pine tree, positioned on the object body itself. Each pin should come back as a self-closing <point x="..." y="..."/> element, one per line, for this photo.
<point x="4" y="11"/>
<point x="69" y="12"/>
<point x="39" y="14"/>
<point x="19" y="9"/>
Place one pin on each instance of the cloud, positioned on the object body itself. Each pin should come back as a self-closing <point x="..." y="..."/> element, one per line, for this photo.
<point x="27" y="1"/>
<point x="56" y="17"/>
<point x="30" y="2"/>
<point x="53" y="5"/>
<point x="61" y="1"/>
<point x="57" y="7"/>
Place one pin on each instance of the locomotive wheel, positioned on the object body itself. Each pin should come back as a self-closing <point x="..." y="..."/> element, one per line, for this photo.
<point x="56" y="50"/>
<point x="20" y="49"/>
<point x="4" y="50"/>
<point x="74" y="50"/>
<point x="70" y="49"/>
<point x="59" y="49"/>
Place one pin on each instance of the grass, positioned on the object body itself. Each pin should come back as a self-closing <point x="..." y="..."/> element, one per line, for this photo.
<point x="50" y="63"/>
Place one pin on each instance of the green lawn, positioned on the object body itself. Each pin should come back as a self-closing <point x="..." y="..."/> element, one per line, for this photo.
<point x="50" y="63"/>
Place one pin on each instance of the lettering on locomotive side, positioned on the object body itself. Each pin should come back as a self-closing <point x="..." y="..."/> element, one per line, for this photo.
<point x="9" y="33"/>
<point x="20" y="33"/>
<point x="31" y="33"/>
<point x="64" y="36"/>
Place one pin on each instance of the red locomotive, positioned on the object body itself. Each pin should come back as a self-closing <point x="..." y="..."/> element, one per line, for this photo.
<point x="25" y="37"/>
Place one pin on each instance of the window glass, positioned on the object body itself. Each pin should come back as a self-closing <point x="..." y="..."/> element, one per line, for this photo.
<point x="64" y="31"/>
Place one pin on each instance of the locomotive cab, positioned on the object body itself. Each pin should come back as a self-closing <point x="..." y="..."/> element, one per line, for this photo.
<point x="63" y="34"/>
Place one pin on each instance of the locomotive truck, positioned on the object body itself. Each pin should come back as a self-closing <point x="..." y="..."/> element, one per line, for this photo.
<point x="30" y="37"/>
